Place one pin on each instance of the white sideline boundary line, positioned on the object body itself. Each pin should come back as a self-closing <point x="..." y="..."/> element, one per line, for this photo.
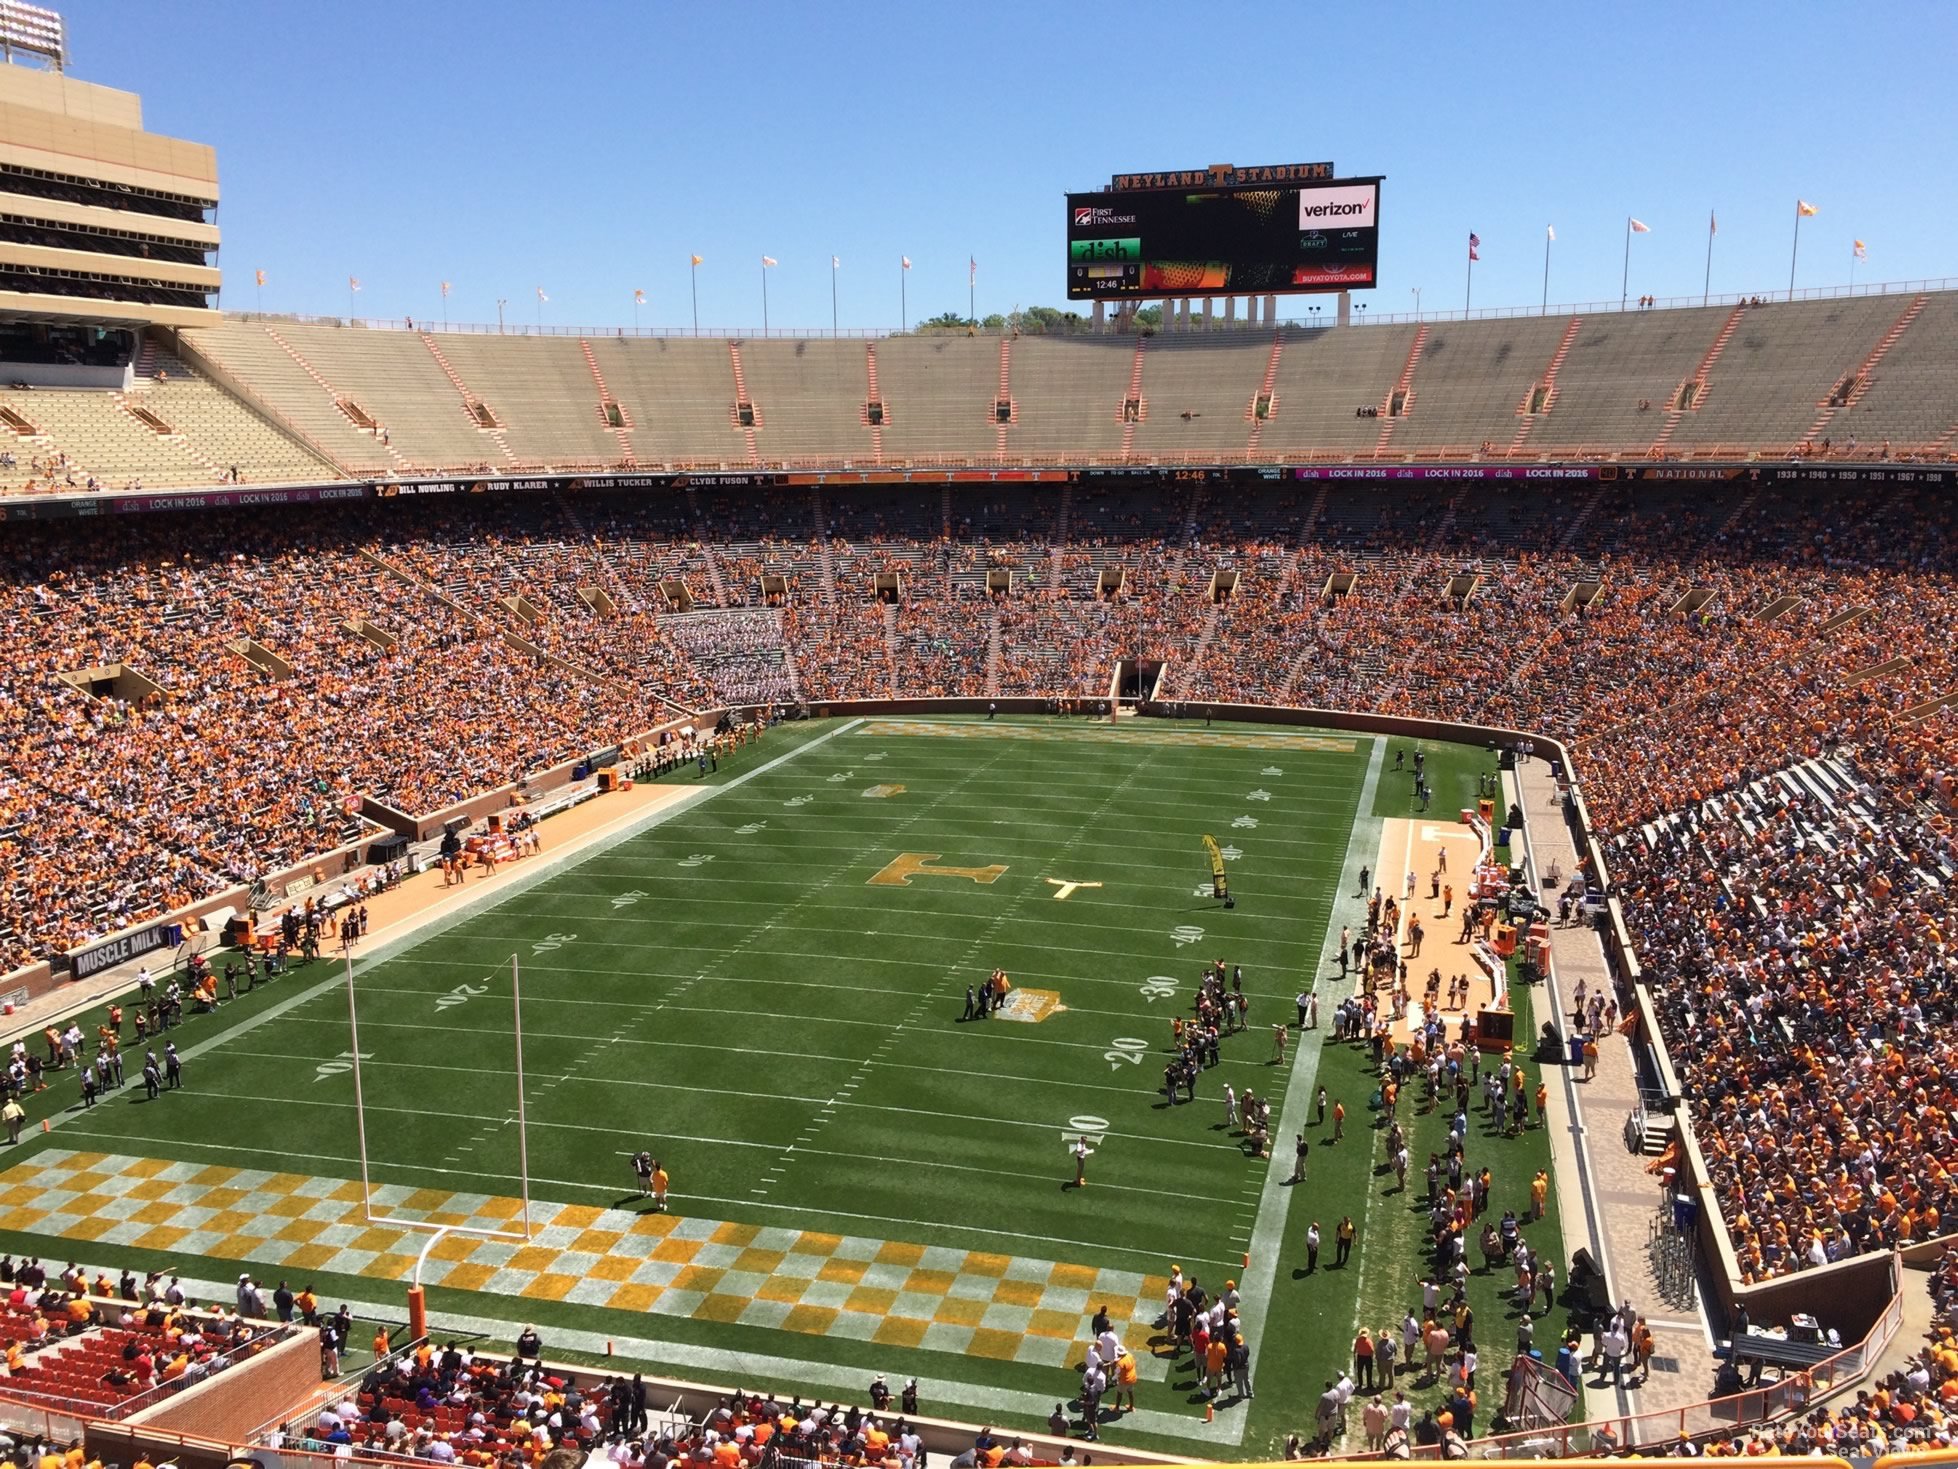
<point x="419" y="928"/>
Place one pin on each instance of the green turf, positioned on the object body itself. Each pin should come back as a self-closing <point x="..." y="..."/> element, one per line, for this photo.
<point x="727" y="989"/>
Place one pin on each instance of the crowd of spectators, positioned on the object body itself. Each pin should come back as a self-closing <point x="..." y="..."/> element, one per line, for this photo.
<point x="80" y="1344"/>
<point x="200" y="767"/>
<point x="1684" y="648"/>
<point x="1793" y="940"/>
<point x="445" y="1403"/>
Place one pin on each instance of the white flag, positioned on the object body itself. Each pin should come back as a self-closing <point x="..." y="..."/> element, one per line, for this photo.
<point x="1551" y="230"/>
<point x="1639" y="227"/>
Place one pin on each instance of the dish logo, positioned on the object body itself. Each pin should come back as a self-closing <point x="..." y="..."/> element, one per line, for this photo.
<point x="1348" y="206"/>
<point x="1086" y="215"/>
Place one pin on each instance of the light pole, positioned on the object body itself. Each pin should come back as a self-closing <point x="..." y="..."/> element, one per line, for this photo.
<point x="1417" y="301"/>
<point x="501" y="302"/>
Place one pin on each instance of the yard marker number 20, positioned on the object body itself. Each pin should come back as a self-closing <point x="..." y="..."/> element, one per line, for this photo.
<point x="1124" y="1048"/>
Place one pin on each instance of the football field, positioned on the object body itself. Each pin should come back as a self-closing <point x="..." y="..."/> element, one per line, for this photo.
<point x="765" y="987"/>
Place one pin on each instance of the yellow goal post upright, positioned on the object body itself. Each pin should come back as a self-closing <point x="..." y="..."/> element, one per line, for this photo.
<point x="417" y="1301"/>
<point x="1220" y="883"/>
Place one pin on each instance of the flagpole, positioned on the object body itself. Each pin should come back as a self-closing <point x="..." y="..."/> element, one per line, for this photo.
<point x="1544" y="308"/>
<point x="1468" y="287"/>
<point x="832" y="296"/>
<point x="971" y="292"/>
<point x="1852" y="270"/>
<point x="693" y="276"/>
<point x="764" y="300"/>
<point x="903" y="305"/>
<point x="1625" y="276"/>
<point x="1706" y="285"/>
<point x="1794" y="250"/>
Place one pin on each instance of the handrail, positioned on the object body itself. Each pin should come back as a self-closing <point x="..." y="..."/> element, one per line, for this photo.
<point x="1360" y="317"/>
<point x="221" y="374"/>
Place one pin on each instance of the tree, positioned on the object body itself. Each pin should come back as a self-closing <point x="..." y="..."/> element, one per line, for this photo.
<point x="945" y="321"/>
<point x="1150" y="316"/>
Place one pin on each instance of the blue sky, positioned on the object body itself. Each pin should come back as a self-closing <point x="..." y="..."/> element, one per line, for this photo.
<point x="590" y="148"/>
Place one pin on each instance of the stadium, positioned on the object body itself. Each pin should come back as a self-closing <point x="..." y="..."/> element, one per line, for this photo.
<point x="1167" y="884"/>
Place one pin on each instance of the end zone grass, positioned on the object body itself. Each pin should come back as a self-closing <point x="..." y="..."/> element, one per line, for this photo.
<point x="862" y="1181"/>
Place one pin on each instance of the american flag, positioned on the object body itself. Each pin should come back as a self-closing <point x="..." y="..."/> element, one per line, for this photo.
<point x="1475" y="243"/>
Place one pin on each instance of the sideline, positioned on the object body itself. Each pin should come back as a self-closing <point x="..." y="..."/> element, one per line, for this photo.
<point x="406" y="933"/>
<point x="1268" y="1234"/>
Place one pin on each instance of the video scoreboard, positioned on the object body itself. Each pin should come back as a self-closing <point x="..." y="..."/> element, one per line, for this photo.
<point x="1151" y="243"/>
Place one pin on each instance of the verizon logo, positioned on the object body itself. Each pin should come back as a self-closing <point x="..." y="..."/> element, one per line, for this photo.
<point x="1346" y="204"/>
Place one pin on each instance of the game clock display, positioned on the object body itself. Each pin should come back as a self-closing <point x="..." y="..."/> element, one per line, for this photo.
<point x="1164" y="243"/>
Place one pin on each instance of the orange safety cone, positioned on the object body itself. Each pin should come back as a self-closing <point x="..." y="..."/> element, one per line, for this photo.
<point x="1209" y="1412"/>
<point x="1247" y="1259"/>
<point x="44" y="1125"/>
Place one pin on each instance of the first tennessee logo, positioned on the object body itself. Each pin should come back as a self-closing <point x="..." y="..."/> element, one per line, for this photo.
<point x="1086" y="214"/>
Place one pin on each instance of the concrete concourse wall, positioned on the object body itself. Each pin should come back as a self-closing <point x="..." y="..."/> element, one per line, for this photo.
<point x="229" y="1405"/>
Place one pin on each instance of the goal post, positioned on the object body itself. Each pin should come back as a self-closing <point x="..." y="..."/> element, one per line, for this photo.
<point x="368" y="1211"/>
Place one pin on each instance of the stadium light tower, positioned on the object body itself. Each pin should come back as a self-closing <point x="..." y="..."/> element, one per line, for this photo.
<point x="501" y="302"/>
<point x="28" y="30"/>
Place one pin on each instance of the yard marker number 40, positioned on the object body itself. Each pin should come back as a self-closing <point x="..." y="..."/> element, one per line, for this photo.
<point x="340" y="1065"/>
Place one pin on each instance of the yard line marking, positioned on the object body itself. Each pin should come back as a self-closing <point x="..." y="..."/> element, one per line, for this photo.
<point x="1151" y="1190"/>
<point x="786" y="981"/>
<point x="1142" y="955"/>
<point x="910" y="911"/>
